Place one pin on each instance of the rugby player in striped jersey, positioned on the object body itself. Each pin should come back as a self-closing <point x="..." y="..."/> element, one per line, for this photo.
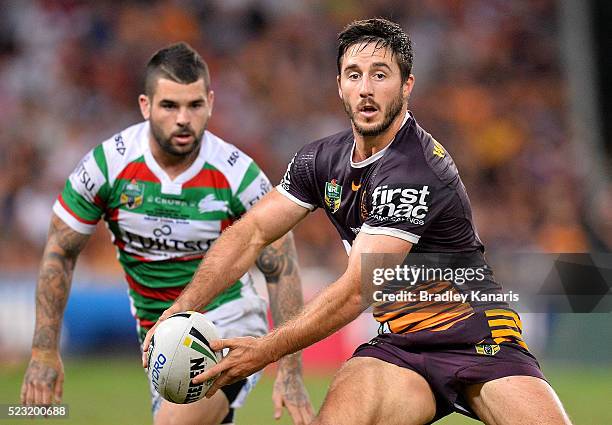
<point x="167" y="188"/>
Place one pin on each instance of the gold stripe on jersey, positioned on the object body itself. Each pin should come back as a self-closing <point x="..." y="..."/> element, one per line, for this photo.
<point x="432" y="318"/>
<point x="446" y="326"/>
<point x="503" y="322"/>
<point x="407" y="317"/>
<point x="519" y="342"/>
<point x="444" y="321"/>
<point x="505" y="313"/>
<point x="505" y="326"/>
<point x="387" y="311"/>
<point x="505" y="332"/>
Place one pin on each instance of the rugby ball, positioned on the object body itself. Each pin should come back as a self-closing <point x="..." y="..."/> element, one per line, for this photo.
<point x="179" y="350"/>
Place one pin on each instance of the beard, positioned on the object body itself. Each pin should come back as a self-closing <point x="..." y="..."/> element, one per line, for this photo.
<point x="165" y="141"/>
<point x="393" y="110"/>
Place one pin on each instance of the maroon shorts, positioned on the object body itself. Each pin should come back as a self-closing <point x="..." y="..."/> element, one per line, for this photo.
<point x="448" y="369"/>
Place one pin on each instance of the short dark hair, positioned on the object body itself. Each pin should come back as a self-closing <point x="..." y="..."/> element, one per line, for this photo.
<point x="385" y="34"/>
<point x="178" y="62"/>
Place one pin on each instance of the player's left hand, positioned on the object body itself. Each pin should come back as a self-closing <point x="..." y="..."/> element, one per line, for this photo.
<point x="175" y="308"/>
<point x="289" y="391"/>
<point x="247" y="355"/>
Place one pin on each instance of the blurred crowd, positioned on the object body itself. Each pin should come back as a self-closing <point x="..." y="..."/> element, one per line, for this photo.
<point x="489" y="87"/>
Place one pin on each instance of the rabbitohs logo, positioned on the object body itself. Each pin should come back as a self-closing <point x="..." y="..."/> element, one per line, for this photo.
<point x="398" y="203"/>
<point x="210" y="204"/>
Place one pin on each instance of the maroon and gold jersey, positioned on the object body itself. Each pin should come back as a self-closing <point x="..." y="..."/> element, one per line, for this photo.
<point x="411" y="190"/>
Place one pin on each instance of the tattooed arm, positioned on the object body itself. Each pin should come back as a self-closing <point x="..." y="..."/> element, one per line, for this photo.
<point x="44" y="377"/>
<point x="278" y="263"/>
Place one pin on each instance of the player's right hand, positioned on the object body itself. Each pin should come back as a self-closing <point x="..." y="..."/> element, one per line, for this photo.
<point x="44" y="379"/>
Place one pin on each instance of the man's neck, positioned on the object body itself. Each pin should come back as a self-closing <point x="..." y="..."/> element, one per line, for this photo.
<point x="173" y="165"/>
<point x="366" y="146"/>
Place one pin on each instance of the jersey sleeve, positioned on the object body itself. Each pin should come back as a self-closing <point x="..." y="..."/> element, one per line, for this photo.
<point x="253" y="186"/>
<point x="407" y="210"/>
<point x="83" y="199"/>
<point x="298" y="182"/>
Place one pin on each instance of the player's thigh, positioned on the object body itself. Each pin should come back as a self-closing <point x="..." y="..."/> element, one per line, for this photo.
<point x="516" y="400"/>
<point x="370" y="391"/>
<point x="203" y="412"/>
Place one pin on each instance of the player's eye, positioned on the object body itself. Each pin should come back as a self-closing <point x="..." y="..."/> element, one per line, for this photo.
<point x="379" y="76"/>
<point x="168" y="106"/>
<point x="197" y="105"/>
<point x="353" y="76"/>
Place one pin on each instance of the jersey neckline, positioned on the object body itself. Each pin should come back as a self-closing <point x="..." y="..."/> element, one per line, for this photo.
<point x="169" y="186"/>
<point x="378" y="154"/>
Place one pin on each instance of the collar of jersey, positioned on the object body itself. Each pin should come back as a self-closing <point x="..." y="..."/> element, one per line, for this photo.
<point x="378" y="154"/>
<point x="169" y="186"/>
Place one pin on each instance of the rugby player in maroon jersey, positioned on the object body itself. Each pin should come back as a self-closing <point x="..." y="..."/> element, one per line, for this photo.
<point x="389" y="188"/>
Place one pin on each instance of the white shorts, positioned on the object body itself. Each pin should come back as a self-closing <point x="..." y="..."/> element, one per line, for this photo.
<point x="245" y="316"/>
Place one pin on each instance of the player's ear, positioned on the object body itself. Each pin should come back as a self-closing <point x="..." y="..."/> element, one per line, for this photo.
<point x="407" y="86"/>
<point x="145" y="106"/>
<point x="211" y="101"/>
<point x="339" y="87"/>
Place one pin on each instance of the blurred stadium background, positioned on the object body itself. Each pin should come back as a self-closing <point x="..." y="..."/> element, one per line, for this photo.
<point x="517" y="91"/>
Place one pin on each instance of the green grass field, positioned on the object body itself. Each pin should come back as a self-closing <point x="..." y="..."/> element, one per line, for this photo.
<point x="114" y="391"/>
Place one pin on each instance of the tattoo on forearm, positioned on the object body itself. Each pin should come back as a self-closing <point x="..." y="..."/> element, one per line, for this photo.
<point x="61" y="252"/>
<point x="45" y="337"/>
<point x="276" y="262"/>
<point x="290" y="384"/>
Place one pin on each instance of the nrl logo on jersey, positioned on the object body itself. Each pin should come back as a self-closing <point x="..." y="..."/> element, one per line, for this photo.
<point x="333" y="195"/>
<point x="132" y="194"/>
<point x="397" y="203"/>
<point x="487" y="349"/>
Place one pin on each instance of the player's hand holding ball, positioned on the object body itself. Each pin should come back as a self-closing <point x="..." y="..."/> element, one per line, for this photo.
<point x="247" y="355"/>
<point x="180" y="349"/>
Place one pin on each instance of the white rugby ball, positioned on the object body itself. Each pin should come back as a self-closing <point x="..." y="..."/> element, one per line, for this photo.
<point x="179" y="350"/>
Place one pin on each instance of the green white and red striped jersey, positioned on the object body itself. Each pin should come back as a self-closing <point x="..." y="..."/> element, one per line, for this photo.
<point x="161" y="227"/>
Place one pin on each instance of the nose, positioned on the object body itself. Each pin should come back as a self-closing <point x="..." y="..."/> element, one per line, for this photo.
<point x="365" y="89"/>
<point x="183" y="117"/>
